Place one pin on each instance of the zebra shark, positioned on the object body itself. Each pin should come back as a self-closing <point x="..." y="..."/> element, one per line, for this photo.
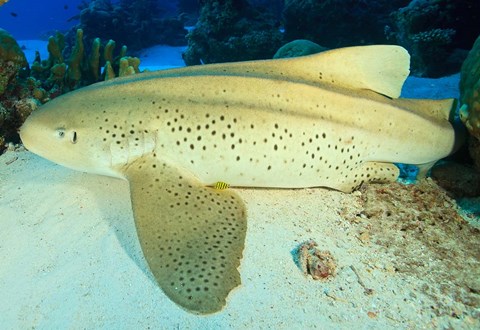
<point x="332" y="119"/>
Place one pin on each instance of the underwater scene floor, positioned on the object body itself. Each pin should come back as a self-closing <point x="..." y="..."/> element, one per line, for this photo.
<point x="70" y="258"/>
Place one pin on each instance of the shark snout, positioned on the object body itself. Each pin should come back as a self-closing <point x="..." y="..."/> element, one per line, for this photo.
<point x="28" y="134"/>
<point x="36" y="133"/>
<point x="24" y="136"/>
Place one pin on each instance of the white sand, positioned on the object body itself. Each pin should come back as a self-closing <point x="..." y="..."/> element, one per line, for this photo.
<point x="70" y="259"/>
<point x="161" y="57"/>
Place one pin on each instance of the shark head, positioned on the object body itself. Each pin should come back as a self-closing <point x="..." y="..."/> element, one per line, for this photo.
<point x="59" y="131"/>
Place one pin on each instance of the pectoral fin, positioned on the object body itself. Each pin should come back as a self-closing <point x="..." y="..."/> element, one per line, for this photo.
<point x="192" y="236"/>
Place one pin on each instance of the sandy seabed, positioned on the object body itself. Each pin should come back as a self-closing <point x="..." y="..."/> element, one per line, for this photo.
<point x="70" y="259"/>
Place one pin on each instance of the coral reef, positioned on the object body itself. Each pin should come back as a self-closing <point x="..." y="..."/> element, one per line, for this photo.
<point x="23" y="89"/>
<point x="338" y="23"/>
<point x="232" y="31"/>
<point x="134" y="23"/>
<point x="436" y="33"/>
<point x="16" y="100"/>
<point x="12" y="60"/>
<point x="470" y="99"/>
<point x="14" y="109"/>
<point x="82" y="68"/>
<point x="298" y="47"/>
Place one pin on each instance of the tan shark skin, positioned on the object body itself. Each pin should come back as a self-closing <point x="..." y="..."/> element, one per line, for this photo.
<point x="316" y="121"/>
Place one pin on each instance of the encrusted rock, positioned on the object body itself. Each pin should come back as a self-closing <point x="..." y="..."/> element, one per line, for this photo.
<point x="319" y="264"/>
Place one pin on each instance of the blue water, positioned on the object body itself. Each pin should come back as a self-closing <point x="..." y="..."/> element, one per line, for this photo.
<point x="33" y="19"/>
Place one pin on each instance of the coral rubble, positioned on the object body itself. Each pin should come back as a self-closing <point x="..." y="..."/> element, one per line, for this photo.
<point x="420" y="227"/>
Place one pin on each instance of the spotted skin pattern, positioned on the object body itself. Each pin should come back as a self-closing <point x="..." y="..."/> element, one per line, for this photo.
<point x="179" y="136"/>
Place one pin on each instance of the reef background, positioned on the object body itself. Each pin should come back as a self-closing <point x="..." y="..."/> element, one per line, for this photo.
<point x="437" y="33"/>
<point x="409" y="244"/>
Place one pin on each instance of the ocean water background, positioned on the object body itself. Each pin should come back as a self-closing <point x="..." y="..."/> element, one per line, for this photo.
<point x="27" y="19"/>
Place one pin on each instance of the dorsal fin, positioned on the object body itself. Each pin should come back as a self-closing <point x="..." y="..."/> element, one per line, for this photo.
<point x="380" y="68"/>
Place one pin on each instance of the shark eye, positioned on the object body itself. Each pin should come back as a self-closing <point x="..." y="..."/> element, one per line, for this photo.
<point x="74" y="137"/>
<point x="60" y="133"/>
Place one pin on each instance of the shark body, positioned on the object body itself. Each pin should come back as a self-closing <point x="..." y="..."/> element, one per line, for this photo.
<point x="326" y="120"/>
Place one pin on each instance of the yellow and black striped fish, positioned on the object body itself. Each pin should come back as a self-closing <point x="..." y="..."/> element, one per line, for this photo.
<point x="221" y="185"/>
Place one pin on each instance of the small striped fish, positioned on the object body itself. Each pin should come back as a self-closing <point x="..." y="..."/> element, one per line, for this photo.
<point x="221" y="185"/>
